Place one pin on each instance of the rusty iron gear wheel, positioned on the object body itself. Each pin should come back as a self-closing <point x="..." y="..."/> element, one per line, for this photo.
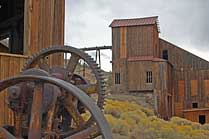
<point x="36" y="120"/>
<point x="76" y="53"/>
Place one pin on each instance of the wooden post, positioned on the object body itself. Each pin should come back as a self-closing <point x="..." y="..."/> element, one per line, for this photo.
<point x="44" y="26"/>
<point x="99" y="58"/>
<point x="36" y="113"/>
<point x="96" y="56"/>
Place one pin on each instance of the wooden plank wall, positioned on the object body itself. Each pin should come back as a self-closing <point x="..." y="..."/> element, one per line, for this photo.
<point x="119" y="61"/>
<point x="169" y="91"/>
<point x="161" y="85"/>
<point x="182" y="59"/>
<point x="123" y="44"/>
<point x="140" y="41"/>
<point x="206" y="87"/>
<point x="180" y="98"/>
<point x="160" y="76"/>
<point x="115" y="44"/>
<point x="162" y="81"/>
<point x="115" y="57"/>
<point x="10" y="65"/>
<point x="137" y="75"/>
<point x="130" y="42"/>
<point x="194" y="115"/>
<point x="3" y="49"/>
<point x="191" y="70"/>
<point x="156" y="49"/>
<point x="44" y="26"/>
<point x="194" y="90"/>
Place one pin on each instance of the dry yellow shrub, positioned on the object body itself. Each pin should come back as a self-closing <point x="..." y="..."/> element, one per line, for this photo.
<point x="131" y="120"/>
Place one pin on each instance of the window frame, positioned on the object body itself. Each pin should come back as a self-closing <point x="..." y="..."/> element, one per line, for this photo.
<point x="194" y="105"/>
<point x="149" y="77"/>
<point x="165" y="54"/>
<point x="117" y="78"/>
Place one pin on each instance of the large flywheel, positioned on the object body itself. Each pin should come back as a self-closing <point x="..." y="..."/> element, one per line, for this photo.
<point x="56" y="102"/>
<point x="32" y="120"/>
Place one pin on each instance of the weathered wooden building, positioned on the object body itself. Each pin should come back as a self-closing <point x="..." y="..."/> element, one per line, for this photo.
<point x="175" y="80"/>
<point x="29" y="26"/>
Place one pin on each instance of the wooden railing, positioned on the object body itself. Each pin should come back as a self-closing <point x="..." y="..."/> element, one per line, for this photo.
<point x="10" y="65"/>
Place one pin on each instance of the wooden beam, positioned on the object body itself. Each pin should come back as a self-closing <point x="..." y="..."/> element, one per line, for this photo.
<point x="96" y="48"/>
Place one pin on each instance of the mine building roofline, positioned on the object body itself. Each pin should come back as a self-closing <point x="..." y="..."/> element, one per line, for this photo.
<point x="148" y="58"/>
<point x="182" y="49"/>
<point x="135" y="22"/>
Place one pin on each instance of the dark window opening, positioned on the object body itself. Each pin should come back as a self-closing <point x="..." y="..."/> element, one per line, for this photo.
<point x="194" y="105"/>
<point x="202" y="119"/>
<point x="149" y="77"/>
<point x="12" y="25"/>
<point x="165" y="54"/>
<point x="117" y="78"/>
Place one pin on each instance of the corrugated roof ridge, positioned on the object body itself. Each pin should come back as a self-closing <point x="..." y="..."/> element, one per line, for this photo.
<point x="136" y="18"/>
<point x="135" y="22"/>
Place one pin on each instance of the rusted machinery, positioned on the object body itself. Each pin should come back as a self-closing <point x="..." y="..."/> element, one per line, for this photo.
<point x="51" y="102"/>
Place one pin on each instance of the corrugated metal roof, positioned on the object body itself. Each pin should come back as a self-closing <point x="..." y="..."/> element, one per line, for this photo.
<point x="135" y="22"/>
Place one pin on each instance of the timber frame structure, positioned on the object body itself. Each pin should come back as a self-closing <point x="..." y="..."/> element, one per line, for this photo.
<point x="171" y="80"/>
<point x="26" y="27"/>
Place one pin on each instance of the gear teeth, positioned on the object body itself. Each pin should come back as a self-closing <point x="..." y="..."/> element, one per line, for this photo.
<point x="103" y="91"/>
<point x="90" y="61"/>
<point x="97" y="68"/>
<point x="96" y="65"/>
<point x="102" y="82"/>
<point x="101" y="75"/>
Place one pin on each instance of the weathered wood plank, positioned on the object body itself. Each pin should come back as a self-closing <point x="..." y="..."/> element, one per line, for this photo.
<point x="10" y="66"/>
<point x="194" y="88"/>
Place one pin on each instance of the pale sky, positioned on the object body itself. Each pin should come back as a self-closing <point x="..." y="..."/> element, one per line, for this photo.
<point x="182" y="22"/>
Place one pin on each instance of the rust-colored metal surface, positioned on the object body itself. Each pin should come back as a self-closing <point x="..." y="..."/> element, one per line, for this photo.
<point x="55" y="103"/>
<point x="134" y="22"/>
